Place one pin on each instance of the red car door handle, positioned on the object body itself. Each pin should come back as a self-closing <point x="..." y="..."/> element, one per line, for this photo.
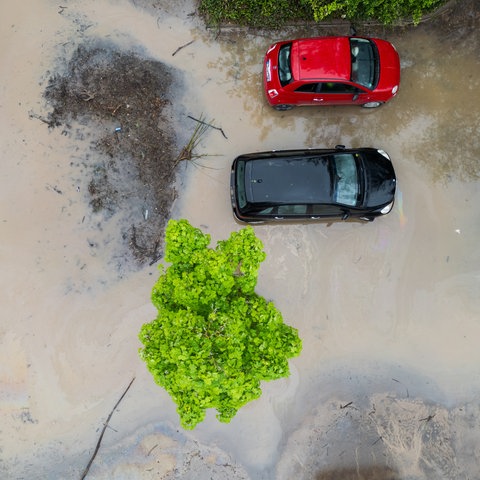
<point x="318" y="99"/>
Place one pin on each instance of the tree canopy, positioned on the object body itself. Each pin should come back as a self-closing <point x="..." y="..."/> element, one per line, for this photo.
<point x="214" y="339"/>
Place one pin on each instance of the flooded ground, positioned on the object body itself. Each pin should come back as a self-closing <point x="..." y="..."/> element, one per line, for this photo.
<point x="387" y="382"/>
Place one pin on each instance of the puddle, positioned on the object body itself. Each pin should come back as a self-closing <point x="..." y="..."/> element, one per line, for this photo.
<point x="395" y="299"/>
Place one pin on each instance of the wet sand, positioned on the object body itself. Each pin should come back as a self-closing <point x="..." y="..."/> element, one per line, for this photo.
<point x="387" y="382"/>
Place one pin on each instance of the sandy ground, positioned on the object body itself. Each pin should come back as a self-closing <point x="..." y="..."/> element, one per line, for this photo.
<point x="387" y="384"/>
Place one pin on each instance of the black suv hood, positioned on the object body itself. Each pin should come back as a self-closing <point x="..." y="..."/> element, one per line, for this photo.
<point x="380" y="180"/>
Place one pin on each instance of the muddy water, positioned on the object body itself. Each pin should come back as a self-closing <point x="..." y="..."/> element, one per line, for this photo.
<point x="388" y="312"/>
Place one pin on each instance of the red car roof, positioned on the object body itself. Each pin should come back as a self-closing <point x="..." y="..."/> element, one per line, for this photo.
<point x="321" y="58"/>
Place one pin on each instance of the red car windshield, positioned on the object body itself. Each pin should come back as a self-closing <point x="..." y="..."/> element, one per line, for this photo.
<point x="284" y="67"/>
<point x="365" y="64"/>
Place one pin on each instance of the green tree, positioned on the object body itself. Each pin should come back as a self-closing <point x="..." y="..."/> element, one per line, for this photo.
<point x="214" y="339"/>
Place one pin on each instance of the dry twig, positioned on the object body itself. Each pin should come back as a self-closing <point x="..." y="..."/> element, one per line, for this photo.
<point x="187" y="151"/>
<point x="92" y="458"/>
<point x="208" y="125"/>
<point x="182" y="46"/>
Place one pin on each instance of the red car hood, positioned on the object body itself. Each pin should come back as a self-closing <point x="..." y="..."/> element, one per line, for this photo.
<point x="389" y="65"/>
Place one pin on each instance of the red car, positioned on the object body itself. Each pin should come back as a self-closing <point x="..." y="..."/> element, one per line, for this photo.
<point x="346" y="70"/>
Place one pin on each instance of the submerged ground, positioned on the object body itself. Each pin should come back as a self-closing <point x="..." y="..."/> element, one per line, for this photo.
<point x="96" y="100"/>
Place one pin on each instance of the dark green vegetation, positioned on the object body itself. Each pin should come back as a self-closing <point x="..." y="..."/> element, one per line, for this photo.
<point x="214" y="338"/>
<point x="274" y="13"/>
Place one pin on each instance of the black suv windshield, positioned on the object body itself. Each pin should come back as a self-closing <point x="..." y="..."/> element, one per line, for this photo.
<point x="365" y="65"/>
<point x="346" y="184"/>
<point x="284" y="69"/>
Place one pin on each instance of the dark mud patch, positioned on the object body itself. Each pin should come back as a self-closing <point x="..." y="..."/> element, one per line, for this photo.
<point x="122" y="101"/>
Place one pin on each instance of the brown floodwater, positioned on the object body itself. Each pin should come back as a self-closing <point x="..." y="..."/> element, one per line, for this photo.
<point x="388" y="311"/>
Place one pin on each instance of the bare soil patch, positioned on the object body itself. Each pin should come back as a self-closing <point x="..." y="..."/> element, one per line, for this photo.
<point x="125" y="101"/>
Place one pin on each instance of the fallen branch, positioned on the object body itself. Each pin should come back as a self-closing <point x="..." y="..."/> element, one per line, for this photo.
<point x="152" y="449"/>
<point x="208" y="125"/>
<point x="54" y="188"/>
<point x="92" y="458"/>
<point x="155" y="254"/>
<point x="427" y="419"/>
<point x="187" y="151"/>
<point x="180" y="48"/>
<point x="406" y="389"/>
<point x="39" y="117"/>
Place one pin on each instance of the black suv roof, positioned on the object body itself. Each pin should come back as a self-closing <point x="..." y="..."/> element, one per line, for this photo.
<point x="309" y="174"/>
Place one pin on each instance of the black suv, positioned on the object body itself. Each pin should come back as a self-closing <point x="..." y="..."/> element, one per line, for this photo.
<point x="312" y="184"/>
